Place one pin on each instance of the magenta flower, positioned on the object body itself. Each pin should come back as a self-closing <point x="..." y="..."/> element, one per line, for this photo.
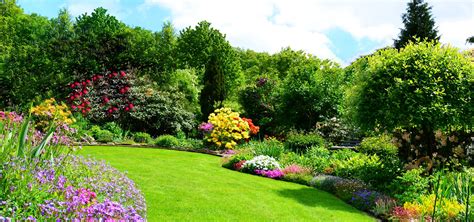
<point x="206" y="127"/>
<point x="274" y="174"/>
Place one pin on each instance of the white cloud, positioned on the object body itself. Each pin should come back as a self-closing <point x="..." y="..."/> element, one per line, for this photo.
<point x="269" y="25"/>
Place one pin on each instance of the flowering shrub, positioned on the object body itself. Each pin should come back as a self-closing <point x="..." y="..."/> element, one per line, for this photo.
<point x="103" y="95"/>
<point x="274" y="174"/>
<point x="253" y="129"/>
<point x="68" y="188"/>
<point x="261" y="163"/>
<point x="49" y="110"/>
<point x="11" y="117"/>
<point x="225" y="128"/>
<point x="446" y="209"/>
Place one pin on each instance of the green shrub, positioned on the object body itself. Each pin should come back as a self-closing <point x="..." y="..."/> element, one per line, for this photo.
<point x="268" y="147"/>
<point x="318" y="158"/>
<point x="94" y="131"/>
<point x="191" y="143"/>
<point x="142" y="137"/>
<point x="105" y="136"/>
<point x="409" y="186"/>
<point x="167" y="141"/>
<point x="380" y="145"/>
<point x="345" y="189"/>
<point x="301" y="142"/>
<point x="115" y="129"/>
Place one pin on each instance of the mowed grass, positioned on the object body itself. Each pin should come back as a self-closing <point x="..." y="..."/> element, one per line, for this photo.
<point x="184" y="186"/>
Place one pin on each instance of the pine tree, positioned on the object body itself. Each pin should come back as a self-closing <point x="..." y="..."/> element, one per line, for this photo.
<point x="419" y="24"/>
<point x="470" y="39"/>
<point x="213" y="93"/>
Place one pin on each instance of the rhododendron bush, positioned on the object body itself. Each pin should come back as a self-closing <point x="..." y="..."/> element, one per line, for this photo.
<point x="226" y="128"/>
<point x="103" y="96"/>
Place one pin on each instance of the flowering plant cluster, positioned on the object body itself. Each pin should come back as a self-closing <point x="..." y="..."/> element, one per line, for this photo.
<point x="225" y="128"/>
<point x="253" y="129"/>
<point x="296" y="169"/>
<point x="69" y="188"/>
<point x="103" y="95"/>
<point x="274" y="174"/>
<point x="49" y="110"/>
<point x="11" y="117"/>
<point x="446" y="209"/>
<point x="261" y="162"/>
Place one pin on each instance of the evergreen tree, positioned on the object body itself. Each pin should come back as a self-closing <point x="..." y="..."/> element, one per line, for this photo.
<point x="419" y="24"/>
<point x="470" y="39"/>
<point x="213" y="93"/>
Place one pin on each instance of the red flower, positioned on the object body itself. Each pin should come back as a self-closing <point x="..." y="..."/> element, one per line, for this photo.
<point x="122" y="74"/>
<point x="131" y="105"/>
<point x="106" y="100"/>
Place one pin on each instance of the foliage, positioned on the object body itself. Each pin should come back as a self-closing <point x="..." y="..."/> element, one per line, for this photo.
<point x="309" y="94"/>
<point x="228" y="129"/>
<point x="382" y="146"/>
<point x="447" y="209"/>
<point x="334" y="130"/>
<point x="268" y="147"/>
<point x="301" y="178"/>
<point x="409" y="186"/>
<point x="419" y="24"/>
<point x="115" y="129"/>
<point x="258" y="101"/>
<point x="384" y="206"/>
<point x="260" y="163"/>
<point x="104" y="136"/>
<point x="159" y="112"/>
<point x="343" y="188"/>
<point x="214" y="91"/>
<point x="167" y="141"/>
<point x="301" y="142"/>
<point x="50" y="111"/>
<point x="141" y="137"/>
<point x="424" y="87"/>
<point x="207" y="43"/>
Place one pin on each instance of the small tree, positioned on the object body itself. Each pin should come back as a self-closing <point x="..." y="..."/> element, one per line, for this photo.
<point x="419" y="24"/>
<point x="213" y="93"/>
<point x="470" y="40"/>
<point x="423" y="88"/>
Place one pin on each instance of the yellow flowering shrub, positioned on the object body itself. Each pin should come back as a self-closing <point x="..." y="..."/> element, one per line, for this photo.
<point x="446" y="209"/>
<point x="227" y="128"/>
<point x="49" y="110"/>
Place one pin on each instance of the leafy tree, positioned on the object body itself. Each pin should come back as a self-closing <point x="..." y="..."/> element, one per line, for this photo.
<point x="310" y="93"/>
<point x="214" y="91"/>
<point x="422" y="88"/>
<point x="196" y="46"/>
<point x="419" y="24"/>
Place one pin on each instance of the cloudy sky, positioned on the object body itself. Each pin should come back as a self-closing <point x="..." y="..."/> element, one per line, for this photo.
<point x="336" y="29"/>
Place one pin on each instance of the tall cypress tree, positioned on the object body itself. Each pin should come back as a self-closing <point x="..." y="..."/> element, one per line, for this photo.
<point x="213" y="93"/>
<point x="419" y="23"/>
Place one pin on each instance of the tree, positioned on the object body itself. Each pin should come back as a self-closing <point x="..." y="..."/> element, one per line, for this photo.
<point x="470" y="39"/>
<point x="420" y="89"/>
<point x="419" y="24"/>
<point x="197" y="45"/>
<point x="214" y="91"/>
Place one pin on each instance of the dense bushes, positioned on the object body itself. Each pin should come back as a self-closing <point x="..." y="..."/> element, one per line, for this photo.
<point x="167" y="141"/>
<point x="381" y="146"/>
<point x="301" y="142"/>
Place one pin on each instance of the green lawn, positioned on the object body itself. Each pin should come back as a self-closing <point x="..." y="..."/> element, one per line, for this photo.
<point x="184" y="186"/>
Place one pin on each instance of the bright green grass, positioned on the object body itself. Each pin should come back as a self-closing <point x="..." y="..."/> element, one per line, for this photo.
<point x="183" y="186"/>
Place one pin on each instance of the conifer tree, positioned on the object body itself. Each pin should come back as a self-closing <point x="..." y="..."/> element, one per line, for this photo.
<point x="419" y="24"/>
<point x="213" y="93"/>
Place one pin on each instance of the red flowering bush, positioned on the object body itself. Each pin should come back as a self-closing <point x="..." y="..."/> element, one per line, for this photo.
<point x="105" y="95"/>
<point x="253" y="129"/>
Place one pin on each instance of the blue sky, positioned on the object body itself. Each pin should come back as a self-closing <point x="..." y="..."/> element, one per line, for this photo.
<point x="336" y="29"/>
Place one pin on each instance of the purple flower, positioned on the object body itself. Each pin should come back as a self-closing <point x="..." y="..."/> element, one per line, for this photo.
<point x="206" y="127"/>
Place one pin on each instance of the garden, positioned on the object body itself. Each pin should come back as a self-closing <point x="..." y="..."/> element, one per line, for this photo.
<point x="101" y="121"/>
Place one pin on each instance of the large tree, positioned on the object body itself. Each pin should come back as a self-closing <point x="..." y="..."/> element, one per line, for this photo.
<point x="421" y="89"/>
<point x="197" y="45"/>
<point x="419" y="24"/>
